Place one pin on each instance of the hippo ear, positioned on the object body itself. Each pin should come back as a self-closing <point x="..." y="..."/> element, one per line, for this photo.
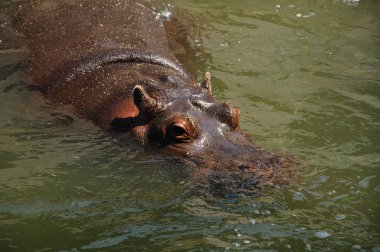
<point x="235" y="116"/>
<point x="227" y="113"/>
<point x="206" y="84"/>
<point x="144" y="102"/>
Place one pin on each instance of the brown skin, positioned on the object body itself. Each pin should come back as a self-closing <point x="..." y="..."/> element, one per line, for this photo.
<point x="112" y="62"/>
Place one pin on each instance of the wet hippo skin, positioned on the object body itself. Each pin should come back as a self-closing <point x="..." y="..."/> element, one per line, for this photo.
<point x="111" y="61"/>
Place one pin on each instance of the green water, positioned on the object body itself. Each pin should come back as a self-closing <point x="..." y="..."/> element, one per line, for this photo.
<point x="306" y="76"/>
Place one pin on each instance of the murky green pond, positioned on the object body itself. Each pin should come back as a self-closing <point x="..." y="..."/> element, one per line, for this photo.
<point x="306" y="76"/>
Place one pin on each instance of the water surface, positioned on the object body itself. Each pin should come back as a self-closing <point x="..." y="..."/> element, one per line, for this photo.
<point x="306" y="77"/>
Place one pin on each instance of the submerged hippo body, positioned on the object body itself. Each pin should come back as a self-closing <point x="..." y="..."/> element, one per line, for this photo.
<point x="111" y="61"/>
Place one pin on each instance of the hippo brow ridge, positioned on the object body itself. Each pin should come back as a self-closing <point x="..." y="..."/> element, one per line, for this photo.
<point x="87" y="64"/>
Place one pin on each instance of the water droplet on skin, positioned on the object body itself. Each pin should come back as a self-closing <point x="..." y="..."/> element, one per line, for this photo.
<point x="322" y="234"/>
<point x="166" y="13"/>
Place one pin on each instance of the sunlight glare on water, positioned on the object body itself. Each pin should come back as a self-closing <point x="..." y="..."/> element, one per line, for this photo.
<point x="305" y="75"/>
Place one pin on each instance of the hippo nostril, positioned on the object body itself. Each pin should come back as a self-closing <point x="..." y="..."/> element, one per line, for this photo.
<point x="164" y="78"/>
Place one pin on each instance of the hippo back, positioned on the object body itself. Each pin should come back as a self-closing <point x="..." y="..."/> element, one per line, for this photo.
<point x="60" y="32"/>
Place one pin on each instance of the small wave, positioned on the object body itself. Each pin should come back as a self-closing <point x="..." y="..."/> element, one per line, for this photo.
<point x="349" y="2"/>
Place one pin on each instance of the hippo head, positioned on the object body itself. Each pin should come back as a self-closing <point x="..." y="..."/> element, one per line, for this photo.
<point x="190" y="123"/>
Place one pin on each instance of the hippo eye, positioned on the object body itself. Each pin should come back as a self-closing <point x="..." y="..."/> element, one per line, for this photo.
<point x="177" y="132"/>
<point x="155" y="134"/>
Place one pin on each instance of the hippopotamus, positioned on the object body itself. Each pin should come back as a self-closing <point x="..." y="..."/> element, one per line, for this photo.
<point x="112" y="62"/>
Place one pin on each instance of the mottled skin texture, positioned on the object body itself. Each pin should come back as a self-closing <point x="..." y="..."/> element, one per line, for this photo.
<point x="111" y="61"/>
